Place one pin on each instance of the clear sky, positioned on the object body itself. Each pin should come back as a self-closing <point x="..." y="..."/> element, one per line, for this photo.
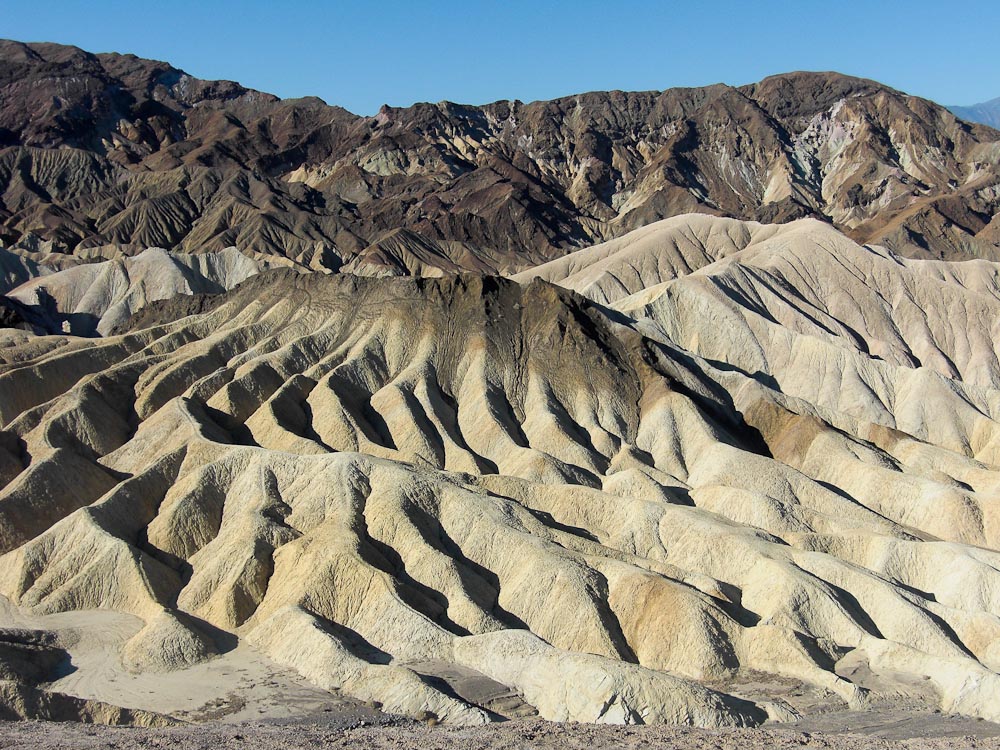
<point x="363" y="54"/>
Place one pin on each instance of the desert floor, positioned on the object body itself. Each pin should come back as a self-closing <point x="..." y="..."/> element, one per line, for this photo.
<point x="846" y="730"/>
<point x="242" y="699"/>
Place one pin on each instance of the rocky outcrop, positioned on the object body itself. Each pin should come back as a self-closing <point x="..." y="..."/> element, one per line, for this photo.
<point x="20" y="702"/>
<point x="91" y="299"/>
<point x="753" y="449"/>
<point x="102" y="150"/>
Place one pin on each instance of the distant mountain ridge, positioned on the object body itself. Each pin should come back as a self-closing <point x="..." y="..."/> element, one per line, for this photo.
<point x="111" y="149"/>
<point x="987" y="113"/>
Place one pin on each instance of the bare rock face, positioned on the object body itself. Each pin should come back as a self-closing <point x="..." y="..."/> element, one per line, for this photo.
<point x="16" y="269"/>
<point x="99" y="150"/>
<point x="91" y="299"/>
<point x="11" y="315"/>
<point x="29" y="656"/>
<point x="168" y="642"/>
<point x="23" y="702"/>
<point x="748" y="449"/>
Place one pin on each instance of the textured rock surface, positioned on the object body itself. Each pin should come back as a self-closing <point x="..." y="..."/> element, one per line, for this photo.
<point x="768" y="450"/>
<point x="93" y="298"/>
<point x="19" y="701"/>
<point x="99" y="150"/>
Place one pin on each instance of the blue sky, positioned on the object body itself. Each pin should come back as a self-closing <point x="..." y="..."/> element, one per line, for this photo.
<point x="360" y="55"/>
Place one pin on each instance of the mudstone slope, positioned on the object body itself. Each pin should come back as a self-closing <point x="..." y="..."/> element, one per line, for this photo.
<point x="709" y="450"/>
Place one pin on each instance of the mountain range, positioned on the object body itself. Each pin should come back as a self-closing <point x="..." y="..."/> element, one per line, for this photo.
<point x="112" y="150"/>
<point x="675" y="407"/>
<point x="987" y="113"/>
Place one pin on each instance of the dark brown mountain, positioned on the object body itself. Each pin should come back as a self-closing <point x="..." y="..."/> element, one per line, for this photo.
<point x="111" y="149"/>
